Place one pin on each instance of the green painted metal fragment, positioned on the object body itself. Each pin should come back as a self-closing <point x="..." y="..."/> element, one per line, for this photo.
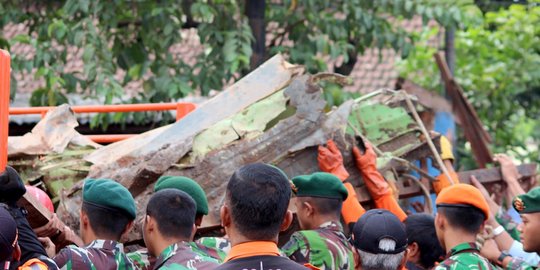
<point x="380" y="123"/>
<point x="249" y="123"/>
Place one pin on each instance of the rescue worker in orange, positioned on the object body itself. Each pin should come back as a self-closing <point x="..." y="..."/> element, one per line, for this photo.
<point x="331" y="161"/>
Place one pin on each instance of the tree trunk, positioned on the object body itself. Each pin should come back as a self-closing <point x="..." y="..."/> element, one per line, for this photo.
<point x="255" y="13"/>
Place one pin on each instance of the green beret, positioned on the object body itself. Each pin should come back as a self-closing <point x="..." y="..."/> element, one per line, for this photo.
<point x="109" y="194"/>
<point x="320" y="184"/>
<point x="188" y="186"/>
<point x="529" y="202"/>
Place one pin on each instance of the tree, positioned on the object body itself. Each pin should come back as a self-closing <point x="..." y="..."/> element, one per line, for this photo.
<point x="497" y="59"/>
<point x="135" y="37"/>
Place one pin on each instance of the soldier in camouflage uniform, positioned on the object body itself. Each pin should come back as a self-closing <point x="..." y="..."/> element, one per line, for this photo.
<point x="461" y="213"/>
<point x="108" y="211"/>
<point x="168" y="228"/>
<point x="528" y="205"/>
<point x="321" y="243"/>
<point x="215" y="247"/>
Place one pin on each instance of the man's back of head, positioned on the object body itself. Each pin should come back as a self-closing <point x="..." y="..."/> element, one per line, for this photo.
<point x="170" y="219"/>
<point x="108" y="209"/>
<point x="381" y="241"/>
<point x="461" y="213"/>
<point x="424" y="247"/>
<point x="256" y="201"/>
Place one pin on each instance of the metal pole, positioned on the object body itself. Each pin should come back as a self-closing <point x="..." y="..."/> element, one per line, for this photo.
<point x="436" y="155"/>
<point x="5" y="70"/>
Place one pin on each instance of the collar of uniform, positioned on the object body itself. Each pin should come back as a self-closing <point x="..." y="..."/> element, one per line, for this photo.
<point x="106" y="244"/>
<point x="250" y="249"/>
<point x="463" y="247"/>
<point x="331" y="225"/>
<point x="170" y="251"/>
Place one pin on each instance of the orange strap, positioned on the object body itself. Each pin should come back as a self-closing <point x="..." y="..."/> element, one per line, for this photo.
<point x="352" y="210"/>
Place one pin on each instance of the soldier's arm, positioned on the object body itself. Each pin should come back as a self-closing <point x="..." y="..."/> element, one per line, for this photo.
<point x="514" y="263"/>
<point x="62" y="258"/>
<point x="296" y="248"/>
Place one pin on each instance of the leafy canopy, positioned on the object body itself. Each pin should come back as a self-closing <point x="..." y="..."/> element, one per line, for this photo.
<point x="497" y="59"/>
<point x="123" y="41"/>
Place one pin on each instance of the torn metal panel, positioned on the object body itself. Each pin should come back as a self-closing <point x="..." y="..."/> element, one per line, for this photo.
<point x="249" y="123"/>
<point x="380" y="123"/>
<point x="51" y="135"/>
<point x="333" y="125"/>
<point x="141" y="163"/>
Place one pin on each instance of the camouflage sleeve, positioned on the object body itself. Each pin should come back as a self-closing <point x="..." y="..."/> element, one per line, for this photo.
<point x="519" y="264"/>
<point x="508" y="224"/>
<point x="140" y="260"/>
<point x="62" y="258"/>
<point x="297" y="248"/>
<point x="175" y="266"/>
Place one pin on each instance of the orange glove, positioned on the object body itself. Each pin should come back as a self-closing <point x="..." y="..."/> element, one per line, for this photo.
<point x="331" y="160"/>
<point x="442" y="181"/>
<point x="377" y="186"/>
<point x="351" y="210"/>
<point x="367" y="164"/>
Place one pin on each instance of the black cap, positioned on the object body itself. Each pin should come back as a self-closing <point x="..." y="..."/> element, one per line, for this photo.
<point x="11" y="186"/>
<point x="8" y="235"/>
<point x="375" y="225"/>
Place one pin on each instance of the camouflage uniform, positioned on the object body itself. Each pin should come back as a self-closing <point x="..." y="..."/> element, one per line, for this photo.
<point x="519" y="264"/>
<point x="181" y="256"/>
<point x="142" y="260"/>
<point x="465" y="256"/>
<point x="508" y="224"/>
<point x="98" y="255"/>
<point x="325" y="248"/>
<point x="215" y="247"/>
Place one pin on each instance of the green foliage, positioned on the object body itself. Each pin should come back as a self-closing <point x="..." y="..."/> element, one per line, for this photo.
<point x="134" y="38"/>
<point x="324" y="29"/>
<point x="497" y="65"/>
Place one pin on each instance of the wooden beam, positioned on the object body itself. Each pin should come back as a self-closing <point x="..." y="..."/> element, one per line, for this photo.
<point x="485" y="176"/>
<point x="472" y="126"/>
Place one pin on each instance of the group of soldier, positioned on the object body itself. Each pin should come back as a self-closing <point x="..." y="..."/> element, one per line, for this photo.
<point x="336" y="232"/>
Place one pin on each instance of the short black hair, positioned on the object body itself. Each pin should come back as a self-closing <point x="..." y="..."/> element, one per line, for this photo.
<point x="326" y="206"/>
<point x="106" y="222"/>
<point x="421" y="229"/>
<point x="258" y="196"/>
<point x="174" y="211"/>
<point x="469" y="219"/>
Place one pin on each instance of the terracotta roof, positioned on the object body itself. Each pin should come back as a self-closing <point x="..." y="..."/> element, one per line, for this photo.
<point x="370" y="72"/>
